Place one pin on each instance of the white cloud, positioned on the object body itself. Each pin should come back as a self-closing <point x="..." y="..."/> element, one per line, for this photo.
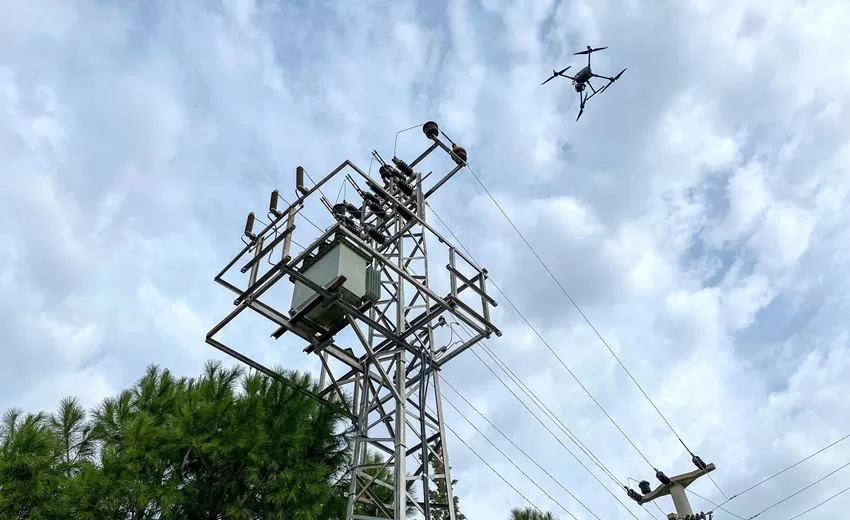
<point x="697" y="211"/>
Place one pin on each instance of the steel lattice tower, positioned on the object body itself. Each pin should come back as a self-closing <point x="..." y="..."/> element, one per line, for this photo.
<point x="367" y="276"/>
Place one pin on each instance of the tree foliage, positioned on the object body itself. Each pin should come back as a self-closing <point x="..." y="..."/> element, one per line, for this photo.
<point x="223" y="445"/>
<point x="530" y="514"/>
<point x="440" y="494"/>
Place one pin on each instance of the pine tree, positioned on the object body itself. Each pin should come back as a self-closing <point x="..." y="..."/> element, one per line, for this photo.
<point x="222" y="445"/>
<point x="440" y="493"/>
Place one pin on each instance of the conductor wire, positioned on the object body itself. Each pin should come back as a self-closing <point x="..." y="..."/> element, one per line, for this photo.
<point x="546" y="343"/>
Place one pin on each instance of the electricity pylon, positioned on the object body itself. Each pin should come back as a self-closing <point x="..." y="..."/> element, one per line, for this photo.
<point x="367" y="276"/>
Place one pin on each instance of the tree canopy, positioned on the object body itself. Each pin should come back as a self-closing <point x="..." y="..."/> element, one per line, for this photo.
<point x="223" y="445"/>
<point x="226" y="444"/>
<point x="530" y="514"/>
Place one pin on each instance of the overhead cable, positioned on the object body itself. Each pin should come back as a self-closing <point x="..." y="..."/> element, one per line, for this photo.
<point x="557" y="439"/>
<point x="494" y="470"/>
<point x="584" y="316"/>
<point x="514" y="444"/>
<point x="716" y="505"/>
<point x="447" y="401"/>
<point x="792" y="466"/>
<point x="546" y="343"/>
<point x="821" y="503"/>
<point x="546" y="409"/>
<point x="792" y="495"/>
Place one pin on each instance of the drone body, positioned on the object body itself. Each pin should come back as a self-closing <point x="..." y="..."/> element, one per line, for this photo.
<point x="582" y="79"/>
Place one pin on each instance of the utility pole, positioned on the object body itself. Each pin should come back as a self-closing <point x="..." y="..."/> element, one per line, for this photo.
<point x="675" y="487"/>
<point x="365" y="280"/>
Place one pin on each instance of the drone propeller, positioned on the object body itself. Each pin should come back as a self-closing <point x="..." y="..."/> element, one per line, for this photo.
<point x="556" y="73"/>
<point x="620" y="74"/>
<point x="580" y="112"/>
<point x="589" y="50"/>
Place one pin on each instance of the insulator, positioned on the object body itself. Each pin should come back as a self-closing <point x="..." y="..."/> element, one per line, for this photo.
<point x="376" y="235"/>
<point x="431" y="130"/>
<point x="379" y="197"/>
<point x="634" y="495"/>
<point x="662" y="477"/>
<point x="299" y="179"/>
<point x="389" y="173"/>
<point x="339" y="210"/>
<point x="405" y="188"/>
<point x="353" y="210"/>
<point x="404" y="168"/>
<point x="644" y="487"/>
<point x="698" y="462"/>
<point x="373" y="202"/>
<point x="273" y="202"/>
<point x="249" y="225"/>
<point x="349" y="223"/>
<point x="459" y="155"/>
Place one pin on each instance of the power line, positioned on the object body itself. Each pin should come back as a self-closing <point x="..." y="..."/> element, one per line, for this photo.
<point x="555" y="436"/>
<point x="792" y="495"/>
<point x="819" y="504"/>
<point x="771" y="477"/>
<point x="546" y="343"/>
<point x="546" y="410"/>
<point x="583" y="315"/>
<point x="494" y="470"/>
<point x="716" y="506"/>
<point x="520" y="450"/>
<point x="538" y="402"/>
<point x="514" y="444"/>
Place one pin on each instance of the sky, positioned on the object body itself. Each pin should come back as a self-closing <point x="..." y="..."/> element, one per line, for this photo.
<point x="696" y="214"/>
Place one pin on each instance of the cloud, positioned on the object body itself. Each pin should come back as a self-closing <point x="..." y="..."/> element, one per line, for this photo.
<point x="696" y="212"/>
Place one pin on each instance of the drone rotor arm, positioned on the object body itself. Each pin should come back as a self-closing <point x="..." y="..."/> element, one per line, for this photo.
<point x="590" y="50"/>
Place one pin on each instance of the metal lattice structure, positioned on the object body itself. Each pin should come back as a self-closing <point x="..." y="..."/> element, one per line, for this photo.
<point x="367" y="277"/>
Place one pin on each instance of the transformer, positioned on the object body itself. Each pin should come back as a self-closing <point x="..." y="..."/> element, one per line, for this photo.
<point x="341" y="264"/>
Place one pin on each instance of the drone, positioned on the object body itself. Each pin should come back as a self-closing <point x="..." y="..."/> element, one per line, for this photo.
<point x="582" y="79"/>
